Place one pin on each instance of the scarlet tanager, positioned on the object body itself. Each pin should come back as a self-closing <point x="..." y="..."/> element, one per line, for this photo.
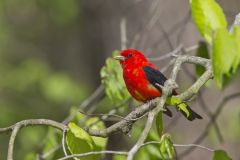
<point x="143" y="81"/>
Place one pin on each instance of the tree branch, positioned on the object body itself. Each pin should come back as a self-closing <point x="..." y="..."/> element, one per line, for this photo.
<point x="143" y="136"/>
<point x="30" y="122"/>
<point x="152" y="108"/>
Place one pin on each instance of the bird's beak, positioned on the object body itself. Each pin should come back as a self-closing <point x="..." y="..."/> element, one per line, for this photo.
<point x="121" y="58"/>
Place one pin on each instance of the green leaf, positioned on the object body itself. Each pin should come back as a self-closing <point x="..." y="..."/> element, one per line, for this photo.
<point x="236" y="34"/>
<point x="208" y="17"/>
<point x="169" y="148"/>
<point x="166" y="147"/>
<point x="91" y="123"/>
<point x="202" y="51"/>
<point x="174" y="101"/>
<point x="159" y="123"/>
<point x="79" y="141"/>
<point x="226" y="54"/>
<point x="111" y="75"/>
<point x="220" y="155"/>
<point x="96" y="123"/>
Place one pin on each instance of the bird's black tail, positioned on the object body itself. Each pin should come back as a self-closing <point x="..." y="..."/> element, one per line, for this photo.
<point x="167" y="112"/>
<point x="192" y="116"/>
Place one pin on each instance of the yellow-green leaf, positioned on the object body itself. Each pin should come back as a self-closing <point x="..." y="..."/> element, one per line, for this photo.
<point x="226" y="54"/>
<point x="208" y="17"/>
<point x="174" y="101"/>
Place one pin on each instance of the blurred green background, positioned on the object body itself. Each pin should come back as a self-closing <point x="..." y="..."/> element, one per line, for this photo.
<point x="51" y="53"/>
<point x="40" y="65"/>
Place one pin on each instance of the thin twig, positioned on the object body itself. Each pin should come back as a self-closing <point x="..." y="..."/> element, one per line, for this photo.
<point x="93" y="153"/>
<point x="143" y="136"/>
<point x="175" y="52"/>
<point x="210" y="114"/>
<point x="180" y="145"/>
<point x="11" y="142"/>
<point x="168" y="55"/>
<point x="64" y="142"/>
<point x="123" y="31"/>
<point x="193" y="145"/>
<point x="112" y="115"/>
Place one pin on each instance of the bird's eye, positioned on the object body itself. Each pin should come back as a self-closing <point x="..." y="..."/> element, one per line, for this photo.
<point x="130" y="55"/>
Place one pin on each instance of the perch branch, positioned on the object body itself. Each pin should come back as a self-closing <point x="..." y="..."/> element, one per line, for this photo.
<point x="125" y="125"/>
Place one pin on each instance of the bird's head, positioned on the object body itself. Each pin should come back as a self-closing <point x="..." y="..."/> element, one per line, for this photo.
<point x="131" y="57"/>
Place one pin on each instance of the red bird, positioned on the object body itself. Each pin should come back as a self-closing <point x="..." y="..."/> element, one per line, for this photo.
<point x="143" y="79"/>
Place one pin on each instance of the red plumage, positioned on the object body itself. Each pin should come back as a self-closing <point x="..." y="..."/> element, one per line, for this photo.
<point x="135" y="78"/>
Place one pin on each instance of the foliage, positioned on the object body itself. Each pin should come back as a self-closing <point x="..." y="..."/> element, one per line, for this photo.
<point x="111" y="75"/>
<point x="79" y="141"/>
<point x="208" y="17"/>
<point x="226" y="43"/>
<point x="211" y="23"/>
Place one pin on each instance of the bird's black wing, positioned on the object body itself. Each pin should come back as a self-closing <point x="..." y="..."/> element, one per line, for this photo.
<point x="157" y="79"/>
<point x="154" y="76"/>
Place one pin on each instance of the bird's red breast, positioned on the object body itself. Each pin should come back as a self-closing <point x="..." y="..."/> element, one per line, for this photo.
<point x="135" y="78"/>
<point x="138" y="85"/>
